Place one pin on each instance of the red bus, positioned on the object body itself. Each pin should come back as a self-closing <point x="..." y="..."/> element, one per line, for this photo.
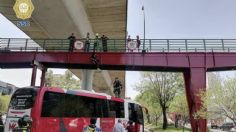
<point x="55" y="110"/>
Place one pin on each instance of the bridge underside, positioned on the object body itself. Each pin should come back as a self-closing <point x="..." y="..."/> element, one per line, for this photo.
<point x="77" y="16"/>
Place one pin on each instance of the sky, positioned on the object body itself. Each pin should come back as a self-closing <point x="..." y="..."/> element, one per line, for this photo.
<point x="165" y="19"/>
<point x="183" y="18"/>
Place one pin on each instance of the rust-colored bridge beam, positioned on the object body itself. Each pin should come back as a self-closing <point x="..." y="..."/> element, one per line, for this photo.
<point x="121" y="61"/>
<point x="194" y="65"/>
<point x="195" y="81"/>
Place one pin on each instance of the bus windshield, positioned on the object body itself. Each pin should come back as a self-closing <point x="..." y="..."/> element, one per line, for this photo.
<point x="23" y="99"/>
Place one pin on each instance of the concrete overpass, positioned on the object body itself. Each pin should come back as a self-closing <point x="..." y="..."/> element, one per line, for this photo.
<point x="59" y="18"/>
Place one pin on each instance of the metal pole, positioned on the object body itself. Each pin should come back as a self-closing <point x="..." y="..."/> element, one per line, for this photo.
<point x="44" y="70"/>
<point x="144" y="32"/>
<point x="33" y="77"/>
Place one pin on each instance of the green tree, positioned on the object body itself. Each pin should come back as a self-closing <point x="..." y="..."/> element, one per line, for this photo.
<point x="66" y="81"/>
<point x="163" y="86"/>
<point x="146" y="99"/>
<point x="180" y="107"/>
<point x="222" y="100"/>
<point x="4" y="101"/>
<point x="219" y="99"/>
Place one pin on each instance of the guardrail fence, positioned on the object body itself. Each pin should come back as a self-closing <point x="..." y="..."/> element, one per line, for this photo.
<point x="119" y="45"/>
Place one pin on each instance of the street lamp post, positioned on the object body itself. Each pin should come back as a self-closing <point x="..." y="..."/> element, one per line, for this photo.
<point x="144" y="32"/>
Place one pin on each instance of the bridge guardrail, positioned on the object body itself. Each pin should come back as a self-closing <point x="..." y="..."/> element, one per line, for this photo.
<point x="120" y="45"/>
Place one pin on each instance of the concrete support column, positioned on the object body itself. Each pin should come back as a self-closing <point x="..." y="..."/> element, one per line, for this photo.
<point x="42" y="83"/>
<point x="33" y="77"/>
<point x="87" y="79"/>
<point x="195" y="81"/>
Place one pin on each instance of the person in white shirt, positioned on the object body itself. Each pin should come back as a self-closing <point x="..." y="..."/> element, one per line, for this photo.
<point x="119" y="127"/>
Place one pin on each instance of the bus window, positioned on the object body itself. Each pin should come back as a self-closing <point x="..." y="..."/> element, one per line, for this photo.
<point x="116" y="109"/>
<point x="102" y="107"/>
<point x="79" y="106"/>
<point x="132" y="113"/>
<point x="53" y="105"/>
<point x="68" y="105"/>
<point x="23" y="99"/>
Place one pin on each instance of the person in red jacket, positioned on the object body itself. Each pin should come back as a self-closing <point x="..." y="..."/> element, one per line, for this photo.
<point x="130" y="127"/>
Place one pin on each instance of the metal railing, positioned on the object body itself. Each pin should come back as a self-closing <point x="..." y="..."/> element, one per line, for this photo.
<point x="120" y="45"/>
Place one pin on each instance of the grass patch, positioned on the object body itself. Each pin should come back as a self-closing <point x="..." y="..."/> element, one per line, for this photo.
<point x="171" y="128"/>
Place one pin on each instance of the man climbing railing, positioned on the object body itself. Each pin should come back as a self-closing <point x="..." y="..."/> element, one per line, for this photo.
<point x="119" y="45"/>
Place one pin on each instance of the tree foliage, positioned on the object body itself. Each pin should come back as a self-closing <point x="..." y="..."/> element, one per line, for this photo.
<point x="146" y="99"/>
<point x="163" y="88"/>
<point x="219" y="99"/>
<point x="66" y="81"/>
<point x="4" y="101"/>
<point x="179" y="106"/>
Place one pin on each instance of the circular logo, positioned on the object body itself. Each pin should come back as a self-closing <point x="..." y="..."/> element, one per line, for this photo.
<point x="23" y="7"/>
<point x="132" y="45"/>
<point x="78" y="44"/>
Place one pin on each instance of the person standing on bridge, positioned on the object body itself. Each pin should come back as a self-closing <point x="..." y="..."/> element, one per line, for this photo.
<point x="117" y="87"/>
<point x="72" y="40"/>
<point x="138" y="42"/>
<point x="128" y="40"/>
<point x="104" y="43"/>
<point x="96" y="43"/>
<point x="87" y="42"/>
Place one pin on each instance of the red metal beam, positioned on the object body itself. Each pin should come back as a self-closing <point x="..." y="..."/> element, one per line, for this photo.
<point x="125" y="61"/>
<point x="43" y="75"/>
<point x="33" y="77"/>
<point x="195" y="81"/>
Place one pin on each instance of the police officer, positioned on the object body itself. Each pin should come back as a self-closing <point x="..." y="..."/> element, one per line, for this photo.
<point x="24" y="124"/>
<point x="72" y="40"/>
<point x="92" y="127"/>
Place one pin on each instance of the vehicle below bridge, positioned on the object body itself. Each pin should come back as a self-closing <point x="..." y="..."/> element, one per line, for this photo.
<point x="51" y="109"/>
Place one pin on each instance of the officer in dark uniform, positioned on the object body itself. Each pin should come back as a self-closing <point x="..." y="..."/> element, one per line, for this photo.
<point x="24" y="124"/>
<point x="72" y="40"/>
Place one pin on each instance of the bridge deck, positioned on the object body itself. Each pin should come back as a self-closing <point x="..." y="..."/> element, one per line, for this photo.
<point x="155" y="61"/>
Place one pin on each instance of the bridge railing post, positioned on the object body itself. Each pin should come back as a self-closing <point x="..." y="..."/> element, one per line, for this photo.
<point x="114" y="45"/>
<point x="168" y="45"/>
<point x="62" y="43"/>
<point x="204" y="44"/>
<point x="150" y="45"/>
<point x="26" y="44"/>
<point x="8" y="43"/>
<point x="223" y="46"/>
<point x="186" y="45"/>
